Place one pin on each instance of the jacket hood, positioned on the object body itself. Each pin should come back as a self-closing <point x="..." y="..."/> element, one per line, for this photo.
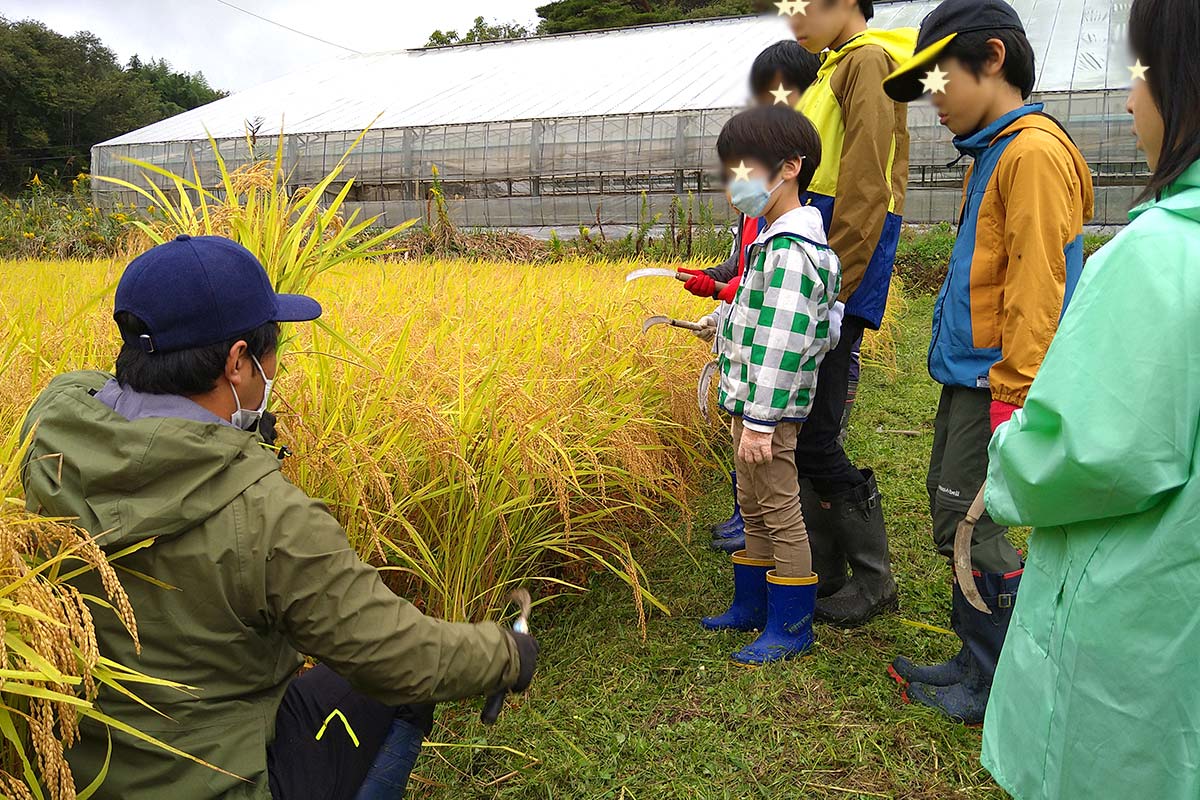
<point x="131" y="480"/>
<point x="899" y="43"/>
<point x="1180" y="198"/>
<point x="1026" y="117"/>
<point x="805" y="222"/>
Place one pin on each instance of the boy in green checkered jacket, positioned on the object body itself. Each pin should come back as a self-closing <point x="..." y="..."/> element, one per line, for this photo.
<point x="783" y="320"/>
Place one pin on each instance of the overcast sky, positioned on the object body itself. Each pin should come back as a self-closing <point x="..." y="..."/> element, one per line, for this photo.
<point x="235" y="51"/>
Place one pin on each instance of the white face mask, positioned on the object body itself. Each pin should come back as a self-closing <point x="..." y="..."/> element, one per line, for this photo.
<point x="244" y="418"/>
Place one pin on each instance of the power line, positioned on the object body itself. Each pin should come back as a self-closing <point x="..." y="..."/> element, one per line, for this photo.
<point x="287" y="28"/>
<point x="41" y="160"/>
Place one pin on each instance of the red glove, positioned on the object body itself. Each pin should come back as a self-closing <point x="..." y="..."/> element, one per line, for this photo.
<point x="700" y="283"/>
<point x="1001" y="413"/>
<point x="730" y="291"/>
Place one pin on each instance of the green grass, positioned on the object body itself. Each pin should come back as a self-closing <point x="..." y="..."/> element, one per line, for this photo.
<point x="611" y="716"/>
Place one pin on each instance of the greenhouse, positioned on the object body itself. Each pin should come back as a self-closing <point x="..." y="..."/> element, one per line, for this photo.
<point x="601" y="127"/>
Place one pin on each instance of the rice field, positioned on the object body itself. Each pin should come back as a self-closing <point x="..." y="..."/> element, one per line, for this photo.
<point x="473" y="426"/>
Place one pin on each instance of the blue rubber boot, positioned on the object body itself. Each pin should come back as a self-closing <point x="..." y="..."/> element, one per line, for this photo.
<point x="983" y="637"/>
<point x="905" y="671"/>
<point x="789" y="630"/>
<point x="749" y="609"/>
<point x="734" y="542"/>
<point x="729" y="527"/>
<point x="730" y="536"/>
<point x="735" y="519"/>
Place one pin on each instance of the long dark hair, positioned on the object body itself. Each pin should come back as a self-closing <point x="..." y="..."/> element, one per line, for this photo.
<point x="1165" y="35"/>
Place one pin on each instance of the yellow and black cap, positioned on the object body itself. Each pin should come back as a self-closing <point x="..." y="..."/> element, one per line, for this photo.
<point x="937" y="31"/>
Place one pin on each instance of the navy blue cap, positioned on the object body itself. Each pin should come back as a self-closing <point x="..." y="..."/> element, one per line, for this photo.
<point x="203" y="290"/>
<point x="938" y="29"/>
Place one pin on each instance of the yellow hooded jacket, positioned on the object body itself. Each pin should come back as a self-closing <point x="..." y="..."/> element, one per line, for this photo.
<point x="860" y="184"/>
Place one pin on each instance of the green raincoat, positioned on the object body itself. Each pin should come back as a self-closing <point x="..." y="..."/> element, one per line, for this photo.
<point x="1097" y="694"/>
<point x="262" y="573"/>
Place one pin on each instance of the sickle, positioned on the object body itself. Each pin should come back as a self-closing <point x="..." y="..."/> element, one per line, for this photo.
<point x="674" y="323"/>
<point x="703" y="387"/>
<point x="495" y="703"/>
<point x="962" y="553"/>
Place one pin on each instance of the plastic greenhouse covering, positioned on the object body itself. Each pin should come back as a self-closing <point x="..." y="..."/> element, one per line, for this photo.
<point x="566" y="130"/>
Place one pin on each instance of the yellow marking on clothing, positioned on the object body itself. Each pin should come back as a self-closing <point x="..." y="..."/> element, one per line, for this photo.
<point x="337" y="712"/>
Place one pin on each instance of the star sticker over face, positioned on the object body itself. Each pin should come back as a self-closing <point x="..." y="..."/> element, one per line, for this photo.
<point x="1138" y="70"/>
<point x="935" y="81"/>
<point x="782" y="96"/>
<point x="790" y="9"/>
<point x="741" y="172"/>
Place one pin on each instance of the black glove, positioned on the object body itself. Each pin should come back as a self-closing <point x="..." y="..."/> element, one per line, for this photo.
<point x="527" y="649"/>
<point x="266" y="428"/>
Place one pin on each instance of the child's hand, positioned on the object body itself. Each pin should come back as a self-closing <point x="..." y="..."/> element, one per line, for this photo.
<point x="755" y="447"/>
<point x="700" y="284"/>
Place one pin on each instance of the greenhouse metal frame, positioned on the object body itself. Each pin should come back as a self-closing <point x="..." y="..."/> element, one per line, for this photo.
<point x="524" y="136"/>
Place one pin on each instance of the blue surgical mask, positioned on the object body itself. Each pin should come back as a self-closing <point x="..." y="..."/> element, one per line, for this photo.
<point x="752" y="197"/>
<point x="244" y="418"/>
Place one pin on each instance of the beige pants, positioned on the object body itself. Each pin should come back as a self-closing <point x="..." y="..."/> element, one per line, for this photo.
<point x="770" y="498"/>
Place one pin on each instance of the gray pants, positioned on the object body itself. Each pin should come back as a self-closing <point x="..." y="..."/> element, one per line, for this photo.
<point x="957" y="468"/>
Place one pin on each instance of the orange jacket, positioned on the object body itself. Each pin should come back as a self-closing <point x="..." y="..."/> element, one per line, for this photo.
<point x="1018" y="255"/>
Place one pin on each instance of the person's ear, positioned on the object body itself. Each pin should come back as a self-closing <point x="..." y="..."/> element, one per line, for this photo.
<point x="997" y="54"/>
<point x="233" y="362"/>
<point x="791" y="170"/>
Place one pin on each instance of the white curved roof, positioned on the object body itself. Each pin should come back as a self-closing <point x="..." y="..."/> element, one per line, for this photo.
<point x="1079" y="44"/>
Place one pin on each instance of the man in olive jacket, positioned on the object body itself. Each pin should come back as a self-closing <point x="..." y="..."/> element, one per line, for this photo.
<point x="165" y="454"/>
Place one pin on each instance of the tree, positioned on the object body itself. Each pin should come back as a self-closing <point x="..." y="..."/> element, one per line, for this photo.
<point x="481" y="31"/>
<point x="179" y="91"/>
<point x="567" y="16"/>
<point x="62" y="94"/>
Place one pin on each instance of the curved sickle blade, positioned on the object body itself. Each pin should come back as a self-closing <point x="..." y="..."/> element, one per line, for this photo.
<point x="703" y="387"/>
<point x="495" y="703"/>
<point x="652" y="321"/>
<point x="652" y="272"/>
<point x="524" y="602"/>
<point x="962" y="553"/>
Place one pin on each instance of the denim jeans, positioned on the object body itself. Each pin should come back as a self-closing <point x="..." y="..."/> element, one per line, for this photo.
<point x="393" y="763"/>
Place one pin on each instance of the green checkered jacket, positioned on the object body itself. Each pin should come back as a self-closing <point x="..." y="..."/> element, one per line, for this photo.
<point x="777" y="332"/>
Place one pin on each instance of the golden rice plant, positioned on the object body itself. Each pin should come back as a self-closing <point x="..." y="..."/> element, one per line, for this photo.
<point x="298" y="234"/>
<point x="485" y="433"/>
<point x="879" y="348"/>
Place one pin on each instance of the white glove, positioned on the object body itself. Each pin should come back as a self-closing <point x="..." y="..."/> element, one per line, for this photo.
<point x="709" y="330"/>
